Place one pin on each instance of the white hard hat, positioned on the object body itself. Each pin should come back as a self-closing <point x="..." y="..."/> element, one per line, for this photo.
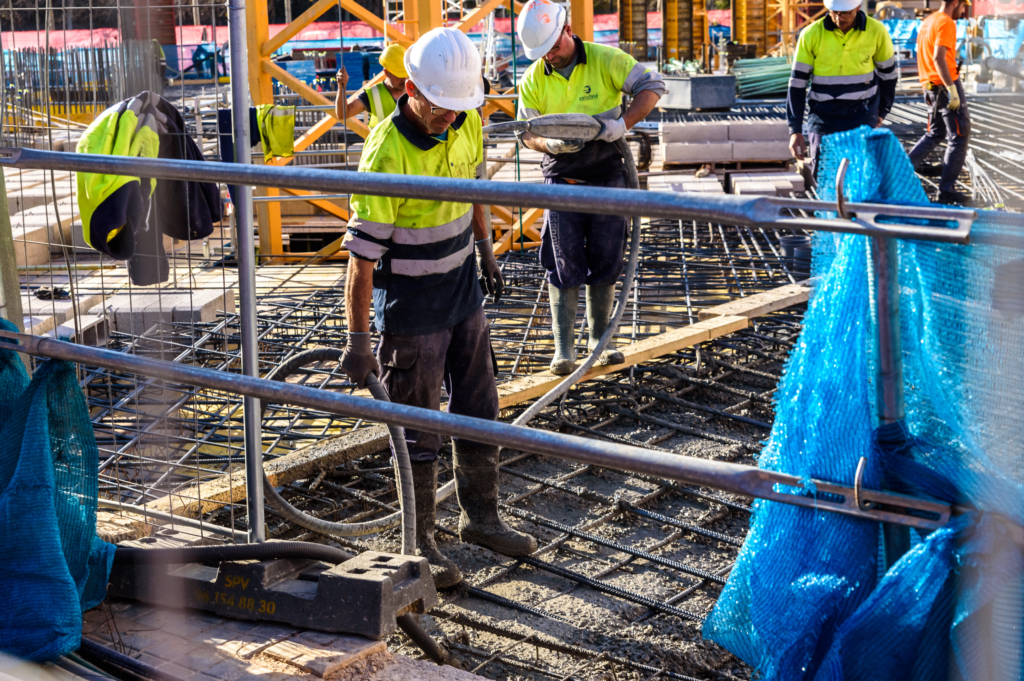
<point x="539" y="25"/>
<point x="842" y="5"/>
<point x="444" y="65"/>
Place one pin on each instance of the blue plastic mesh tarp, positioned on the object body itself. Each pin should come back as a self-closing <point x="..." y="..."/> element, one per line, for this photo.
<point x="805" y="600"/>
<point x="54" y="566"/>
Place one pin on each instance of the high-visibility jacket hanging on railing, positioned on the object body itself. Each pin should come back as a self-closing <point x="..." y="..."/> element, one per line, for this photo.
<point x="277" y="129"/>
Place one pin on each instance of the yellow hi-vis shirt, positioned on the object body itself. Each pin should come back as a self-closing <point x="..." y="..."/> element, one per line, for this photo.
<point x="379" y="104"/>
<point x="595" y="87"/>
<point x="852" y="76"/>
<point x="425" y="279"/>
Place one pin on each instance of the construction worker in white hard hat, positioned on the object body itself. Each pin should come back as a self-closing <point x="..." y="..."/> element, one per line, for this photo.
<point x="572" y="76"/>
<point x="848" y="60"/>
<point x="413" y="258"/>
<point x="378" y="99"/>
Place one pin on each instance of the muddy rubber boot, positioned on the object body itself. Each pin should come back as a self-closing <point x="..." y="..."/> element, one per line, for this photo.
<point x="476" y="483"/>
<point x="600" y="300"/>
<point x="443" y="570"/>
<point x="564" y="302"/>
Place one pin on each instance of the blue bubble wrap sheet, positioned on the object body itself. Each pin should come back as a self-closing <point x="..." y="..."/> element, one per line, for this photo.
<point x="54" y="566"/>
<point x="805" y="599"/>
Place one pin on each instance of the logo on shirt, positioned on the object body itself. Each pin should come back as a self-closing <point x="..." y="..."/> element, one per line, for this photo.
<point x="586" y="89"/>
<point x="586" y="94"/>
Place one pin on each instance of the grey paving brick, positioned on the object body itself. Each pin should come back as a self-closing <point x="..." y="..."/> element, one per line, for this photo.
<point x="179" y="671"/>
<point x="225" y="670"/>
<point x="321" y="637"/>
<point x="191" y="625"/>
<point x="171" y="648"/>
<point x="199" y="658"/>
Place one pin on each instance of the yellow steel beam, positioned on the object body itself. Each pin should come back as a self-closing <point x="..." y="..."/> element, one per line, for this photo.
<point x="261" y="88"/>
<point x="582" y="12"/>
<point x="478" y="14"/>
<point x="332" y="208"/>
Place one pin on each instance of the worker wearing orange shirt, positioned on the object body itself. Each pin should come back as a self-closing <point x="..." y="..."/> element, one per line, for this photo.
<point x="944" y="94"/>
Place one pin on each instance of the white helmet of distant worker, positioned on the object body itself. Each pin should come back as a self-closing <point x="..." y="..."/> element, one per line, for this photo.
<point x="539" y="26"/>
<point x="842" y="5"/>
<point x="444" y="65"/>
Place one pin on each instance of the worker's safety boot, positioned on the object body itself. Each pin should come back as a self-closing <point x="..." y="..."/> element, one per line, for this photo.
<point x="476" y="483"/>
<point x="600" y="300"/>
<point x="424" y="478"/>
<point x="564" y="302"/>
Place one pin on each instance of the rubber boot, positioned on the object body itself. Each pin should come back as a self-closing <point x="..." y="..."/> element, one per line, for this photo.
<point x="564" y="302"/>
<point x="600" y="300"/>
<point x="476" y="483"/>
<point x="444" y="571"/>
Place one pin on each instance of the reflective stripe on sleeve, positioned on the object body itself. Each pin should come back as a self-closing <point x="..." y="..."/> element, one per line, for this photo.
<point x="422" y="268"/>
<point x="799" y="83"/>
<point x="378" y="230"/>
<point x="367" y="249"/>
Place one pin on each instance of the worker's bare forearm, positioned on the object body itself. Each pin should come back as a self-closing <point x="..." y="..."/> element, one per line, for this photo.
<point x="358" y="294"/>
<point x="479" y="223"/>
<point x="531" y="141"/>
<point x="352" y="108"/>
<point x="942" y="67"/>
<point x="641" y="105"/>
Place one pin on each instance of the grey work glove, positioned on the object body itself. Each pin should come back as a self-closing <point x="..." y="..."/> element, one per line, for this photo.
<point x="611" y="129"/>
<point x="563" y="146"/>
<point x="490" y="273"/>
<point x="357" y="359"/>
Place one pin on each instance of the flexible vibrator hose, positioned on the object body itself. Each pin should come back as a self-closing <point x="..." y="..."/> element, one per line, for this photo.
<point x="403" y="469"/>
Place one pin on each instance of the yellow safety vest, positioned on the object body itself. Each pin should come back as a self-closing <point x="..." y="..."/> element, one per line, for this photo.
<point x="382" y="104"/>
<point x="425" y="279"/>
<point x="277" y="130"/>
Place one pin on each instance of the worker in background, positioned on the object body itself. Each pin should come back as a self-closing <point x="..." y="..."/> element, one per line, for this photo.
<point x="944" y="94"/>
<point x="571" y="76"/>
<point x="380" y="99"/>
<point x="849" y="62"/>
<point x="414" y="259"/>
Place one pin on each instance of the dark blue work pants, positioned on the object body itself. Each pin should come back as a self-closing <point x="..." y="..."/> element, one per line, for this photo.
<point x="414" y="367"/>
<point x="953" y="126"/>
<point x="583" y="248"/>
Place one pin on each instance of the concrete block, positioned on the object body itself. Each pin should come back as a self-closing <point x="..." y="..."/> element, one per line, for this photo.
<point x="31" y="245"/>
<point x="137" y="311"/>
<point x="19" y="199"/>
<point x="91" y="330"/>
<point x="698" y="153"/>
<point x="758" y="131"/>
<point x="761" y="151"/>
<point x="754" y="187"/>
<point x="689" y="133"/>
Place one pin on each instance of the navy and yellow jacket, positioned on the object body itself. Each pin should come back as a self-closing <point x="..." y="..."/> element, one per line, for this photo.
<point x="127" y="217"/>
<point x="852" y="76"/>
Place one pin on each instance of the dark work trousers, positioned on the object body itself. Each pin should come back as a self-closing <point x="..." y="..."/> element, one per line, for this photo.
<point x="414" y="367"/>
<point x="582" y="248"/>
<point x="814" y="153"/>
<point x="952" y="126"/>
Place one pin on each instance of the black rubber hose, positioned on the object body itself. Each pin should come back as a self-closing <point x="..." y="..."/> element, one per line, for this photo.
<point x="94" y="651"/>
<point x="268" y="551"/>
<point x="230" y="552"/>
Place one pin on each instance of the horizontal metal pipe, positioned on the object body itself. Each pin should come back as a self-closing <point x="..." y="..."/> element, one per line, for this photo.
<point x="728" y="209"/>
<point x="1005" y="66"/>
<point x="307" y="197"/>
<point x="730" y="477"/>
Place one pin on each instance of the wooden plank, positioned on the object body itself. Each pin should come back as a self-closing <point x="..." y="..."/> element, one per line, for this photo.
<point x="302" y="463"/>
<point x="760" y="304"/>
<point x="532" y="387"/>
<point x="325" y="660"/>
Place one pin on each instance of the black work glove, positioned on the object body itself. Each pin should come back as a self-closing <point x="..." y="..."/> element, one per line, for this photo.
<point x="490" y="273"/>
<point x="357" y="359"/>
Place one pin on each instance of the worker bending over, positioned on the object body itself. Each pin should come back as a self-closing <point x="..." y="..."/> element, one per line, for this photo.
<point x="380" y="99"/>
<point x="414" y="259"/>
<point x="571" y="76"/>
<point x="848" y="59"/>
<point x="944" y="94"/>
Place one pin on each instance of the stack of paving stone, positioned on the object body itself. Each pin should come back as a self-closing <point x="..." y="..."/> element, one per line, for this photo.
<point x="766" y="184"/>
<point x="709" y="184"/>
<point x="724" y="141"/>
